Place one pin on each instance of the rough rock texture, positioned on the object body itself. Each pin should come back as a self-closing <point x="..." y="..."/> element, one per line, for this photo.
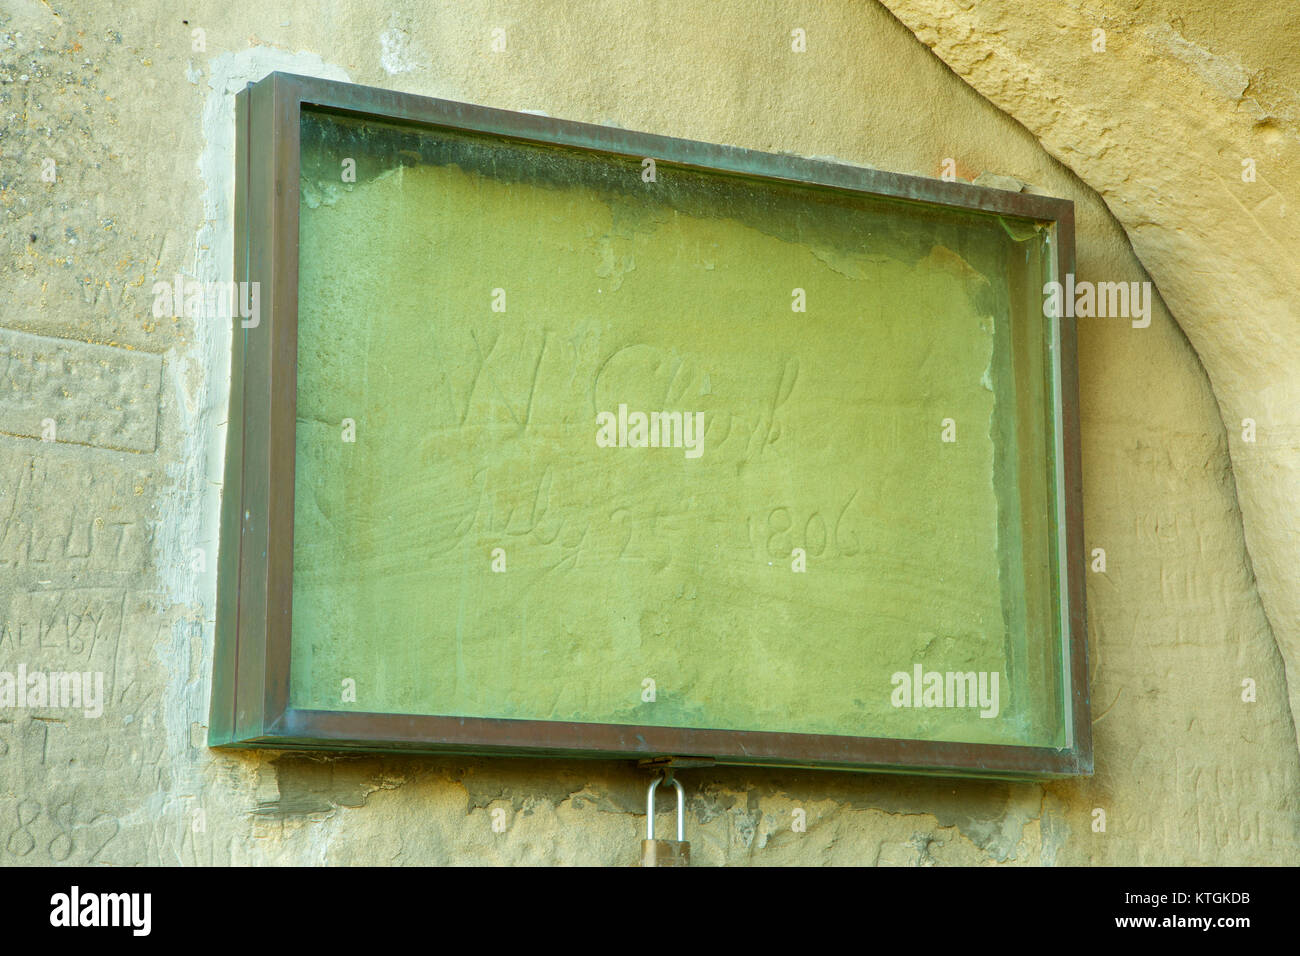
<point x="106" y="548"/>
<point x="1164" y="115"/>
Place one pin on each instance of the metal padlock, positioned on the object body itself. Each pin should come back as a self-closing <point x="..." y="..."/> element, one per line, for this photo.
<point x="665" y="852"/>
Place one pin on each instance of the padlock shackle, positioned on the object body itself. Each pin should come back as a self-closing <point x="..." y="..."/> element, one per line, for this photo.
<point x="681" y="810"/>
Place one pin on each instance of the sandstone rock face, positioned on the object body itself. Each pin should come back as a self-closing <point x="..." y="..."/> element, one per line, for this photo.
<point x="1184" y="118"/>
<point x="107" y="542"/>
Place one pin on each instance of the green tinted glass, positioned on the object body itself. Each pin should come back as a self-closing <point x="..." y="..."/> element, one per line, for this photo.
<point x="582" y="439"/>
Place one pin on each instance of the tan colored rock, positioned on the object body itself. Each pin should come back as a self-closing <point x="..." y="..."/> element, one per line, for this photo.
<point x="1167" y="116"/>
<point x="96" y="543"/>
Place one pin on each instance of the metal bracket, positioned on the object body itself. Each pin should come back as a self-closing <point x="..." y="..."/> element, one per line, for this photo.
<point x="674" y="763"/>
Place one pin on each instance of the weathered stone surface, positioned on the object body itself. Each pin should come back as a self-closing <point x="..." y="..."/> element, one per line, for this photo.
<point x="67" y="391"/>
<point x="140" y="122"/>
<point x="1187" y="124"/>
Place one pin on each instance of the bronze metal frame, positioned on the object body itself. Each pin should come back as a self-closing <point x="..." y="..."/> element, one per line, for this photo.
<point x="250" y="695"/>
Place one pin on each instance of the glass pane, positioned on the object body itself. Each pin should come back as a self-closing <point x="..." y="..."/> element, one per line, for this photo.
<point x="705" y="419"/>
